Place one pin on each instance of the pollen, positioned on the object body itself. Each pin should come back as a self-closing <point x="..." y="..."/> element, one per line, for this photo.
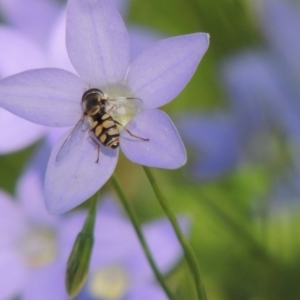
<point x="109" y="283"/>
<point x="38" y="246"/>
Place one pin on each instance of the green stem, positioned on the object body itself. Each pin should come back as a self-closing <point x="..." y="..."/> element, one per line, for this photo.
<point x="141" y="238"/>
<point x="188" y="252"/>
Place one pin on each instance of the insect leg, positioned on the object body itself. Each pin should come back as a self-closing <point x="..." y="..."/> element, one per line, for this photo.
<point x="94" y="139"/>
<point x="138" y="137"/>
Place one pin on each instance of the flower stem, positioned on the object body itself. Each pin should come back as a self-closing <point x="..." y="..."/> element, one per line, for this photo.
<point x="188" y="252"/>
<point x="141" y="238"/>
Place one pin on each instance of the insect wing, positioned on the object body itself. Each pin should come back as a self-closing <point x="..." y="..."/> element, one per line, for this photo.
<point x="124" y="106"/>
<point x="71" y="141"/>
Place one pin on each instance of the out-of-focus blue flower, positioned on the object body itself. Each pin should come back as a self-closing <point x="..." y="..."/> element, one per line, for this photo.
<point x="99" y="50"/>
<point x="32" y="18"/>
<point x="35" y="18"/>
<point x="266" y="81"/>
<point x="34" y="247"/>
<point x="130" y="276"/>
<point x="264" y="98"/>
<point x="215" y="141"/>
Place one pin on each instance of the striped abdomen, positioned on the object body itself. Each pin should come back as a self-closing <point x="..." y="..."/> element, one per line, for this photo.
<point x="105" y="129"/>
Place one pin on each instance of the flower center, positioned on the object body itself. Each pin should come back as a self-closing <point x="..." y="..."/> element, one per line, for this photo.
<point x="38" y="246"/>
<point x="123" y="106"/>
<point x="109" y="283"/>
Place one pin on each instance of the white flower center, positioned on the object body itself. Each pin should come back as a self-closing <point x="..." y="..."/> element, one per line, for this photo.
<point x="123" y="106"/>
<point x="38" y="246"/>
<point x="109" y="283"/>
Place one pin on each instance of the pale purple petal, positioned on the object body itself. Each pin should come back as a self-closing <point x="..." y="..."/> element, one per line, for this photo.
<point x="11" y="220"/>
<point x="50" y="97"/>
<point x="18" y="53"/>
<point x="57" y="44"/>
<point x="163" y="242"/>
<point x="115" y="240"/>
<point x="97" y="41"/>
<point x="281" y="23"/>
<point x="215" y="142"/>
<point x="159" y="74"/>
<point x="39" y="159"/>
<point x="262" y="97"/>
<point x="147" y="292"/>
<point x="47" y="283"/>
<point x="31" y="199"/>
<point x="140" y="39"/>
<point x="164" y="148"/>
<point x="78" y="176"/>
<point x="114" y="236"/>
<point x="13" y="274"/>
<point x="32" y="17"/>
<point x="70" y="226"/>
<point x="54" y="134"/>
<point x="111" y="207"/>
<point x="121" y="5"/>
<point x="164" y="247"/>
<point x="18" y="132"/>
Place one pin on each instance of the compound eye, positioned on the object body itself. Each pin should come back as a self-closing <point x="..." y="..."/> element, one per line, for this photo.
<point x="92" y="95"/>
<point x="91" y="102"/>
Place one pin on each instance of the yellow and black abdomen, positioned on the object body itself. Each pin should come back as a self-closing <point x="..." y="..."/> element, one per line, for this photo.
<point x="105" y="129"/>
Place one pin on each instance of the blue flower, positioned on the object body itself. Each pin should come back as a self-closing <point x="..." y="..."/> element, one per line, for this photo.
<point x="34" y="247"/>
<point x="122" y="271"/>
<point x="215" y="143"/>
<point x="33" y="38"/>
<point x="264" y="99"/>
<point x="98" y="46"/>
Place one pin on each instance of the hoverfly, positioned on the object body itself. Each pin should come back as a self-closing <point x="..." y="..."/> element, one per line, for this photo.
<point x="102" y="126"/>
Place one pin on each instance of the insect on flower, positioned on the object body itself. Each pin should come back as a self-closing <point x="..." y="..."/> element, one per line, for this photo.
<point x="103" y="128"/>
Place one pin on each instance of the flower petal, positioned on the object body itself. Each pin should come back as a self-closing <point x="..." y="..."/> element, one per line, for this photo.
<point x="77" y="177"/>
<point x="159" y="74"/>
<point x="32" y="17"/>
<point x="50" y="97"/>
<point x="141" y="38"/>
<point x="121" y="5"/>
<point x="97" y="41"/>
<point x="31" y="199"/>
<point x="281" y="22"/>
<point x="11" y="220"/>
<point x="164" y="148"/>
<point x="19" y="133"/>
<point x="163" y="242"/>
<point x="46" y="283"/>
<point x="215" y="140"/>
<point x="57" y="44"/>
<point x="12" y="273"/>
<point x="260" y="94"/>
<point x="68" y="230"/>
<point x="164" y="246"/>
<point x="14" y="60"/>
<point x="115" y="240"/>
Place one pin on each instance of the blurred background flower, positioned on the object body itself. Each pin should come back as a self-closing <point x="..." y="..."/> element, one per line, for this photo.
<point x="240" y="123"/>
<point x="35" y="246"/>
